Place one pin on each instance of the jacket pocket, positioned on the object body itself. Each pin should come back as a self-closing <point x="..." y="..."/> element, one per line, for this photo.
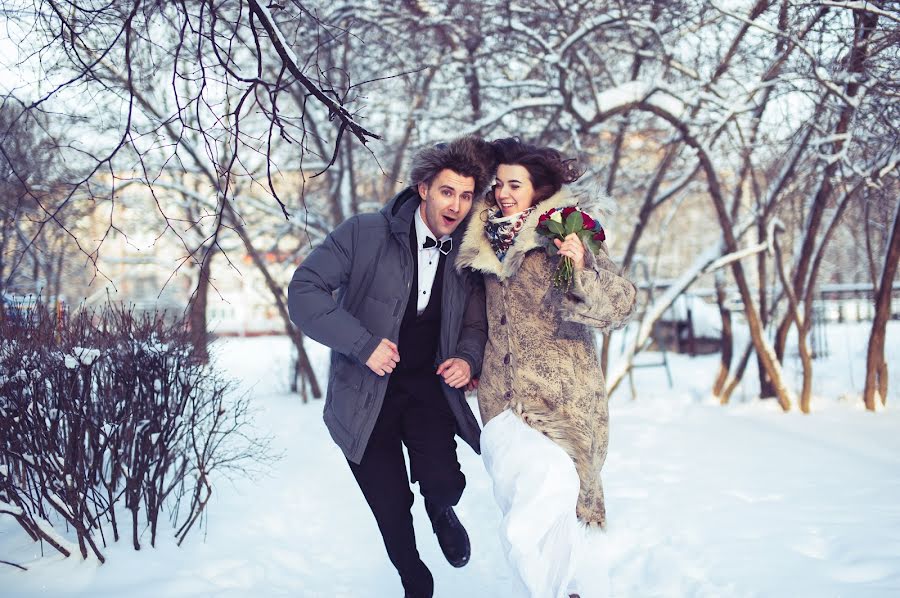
<point x="349" y="397"/>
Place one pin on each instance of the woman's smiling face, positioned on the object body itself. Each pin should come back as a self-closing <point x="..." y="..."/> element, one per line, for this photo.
<point x="513" y="190"/>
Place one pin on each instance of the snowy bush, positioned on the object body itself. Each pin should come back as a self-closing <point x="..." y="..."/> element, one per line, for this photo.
<point x="108" y="421"/>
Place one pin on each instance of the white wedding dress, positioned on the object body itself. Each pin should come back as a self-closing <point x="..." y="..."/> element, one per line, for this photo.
<point x="536" y="486"/>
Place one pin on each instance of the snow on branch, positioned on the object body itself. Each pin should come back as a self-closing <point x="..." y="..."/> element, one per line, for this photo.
<point x="840" y="139"/>
<point x="634" y="94"/>
<point x="655" y="311"/>
<point x="737" y="255"/>
<point x="524" y="104"/>
<point x="862" y="7"/>
<point x="10" y="509"/>
<point x="825" y="79"/>
<point x="708" y="261"/>
<point x="665" y="58"/>
<point x="528" y="32"/>
<point x="795" y="40"/>
<point x="587" y="27"/>
<point x="608" y="103"/>
<point x="293" y="65"/>
<point x="49" y="533"/>
<point x="890" y="164"/>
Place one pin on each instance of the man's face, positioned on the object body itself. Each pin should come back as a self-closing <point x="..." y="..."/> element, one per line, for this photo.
<point x="446" y="202"/>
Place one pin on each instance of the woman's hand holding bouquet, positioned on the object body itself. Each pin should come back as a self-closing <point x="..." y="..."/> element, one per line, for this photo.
<point x="557" y="225"/>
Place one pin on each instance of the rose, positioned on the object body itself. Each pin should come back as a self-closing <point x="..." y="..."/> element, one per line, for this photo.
<point x="546" y="215"/>
<point x="587" y="221"/>
<point x="600" y="236"/>
<point x="567" y="211"/>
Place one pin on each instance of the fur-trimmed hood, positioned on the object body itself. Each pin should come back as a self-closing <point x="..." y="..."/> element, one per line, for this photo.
<point x="476" y="253"/>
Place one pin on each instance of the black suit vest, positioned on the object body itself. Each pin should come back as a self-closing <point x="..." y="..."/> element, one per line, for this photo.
<point x="419" y="334"/>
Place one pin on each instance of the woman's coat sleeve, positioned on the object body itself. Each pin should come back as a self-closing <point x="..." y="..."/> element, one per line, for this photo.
<point x="599" y="296"/>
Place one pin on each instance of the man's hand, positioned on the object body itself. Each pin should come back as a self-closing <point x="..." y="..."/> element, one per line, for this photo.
<point x="384" y="358"/>
<point x="456" y="372"/>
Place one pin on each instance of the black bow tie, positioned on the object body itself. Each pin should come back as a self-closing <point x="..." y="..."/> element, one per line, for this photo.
<point x="443" y="246"/>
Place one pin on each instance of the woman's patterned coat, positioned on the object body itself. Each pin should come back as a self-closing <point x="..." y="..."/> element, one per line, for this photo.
<point x="541" y="359"/>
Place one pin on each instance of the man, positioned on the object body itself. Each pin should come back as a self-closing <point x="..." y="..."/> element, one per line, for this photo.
<point x="407" y="333"/>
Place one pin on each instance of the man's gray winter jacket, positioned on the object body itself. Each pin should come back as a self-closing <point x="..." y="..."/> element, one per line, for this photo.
<point x="367" y="260"/>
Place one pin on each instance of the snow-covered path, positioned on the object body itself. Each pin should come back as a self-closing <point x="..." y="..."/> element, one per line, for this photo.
<point x="703" y="500"/>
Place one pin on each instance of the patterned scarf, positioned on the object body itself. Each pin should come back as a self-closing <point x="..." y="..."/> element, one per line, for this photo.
<point x="501" y="230"/>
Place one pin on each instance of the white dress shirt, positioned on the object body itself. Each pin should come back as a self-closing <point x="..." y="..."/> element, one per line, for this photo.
<point x="427" y="262"/>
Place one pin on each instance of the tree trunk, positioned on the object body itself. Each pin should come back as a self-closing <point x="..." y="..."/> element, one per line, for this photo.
<point x="604" y="353"/>
<point x="770" y="364"/>
<point x="732" y="382"/>
<point x="278" y="295"/>
<point x="197" y="309"/>
<point x="876" y="366"/>
<point x="766" y="389"/>
<point x="802" y="328"/>
<point x="727" y="338"/>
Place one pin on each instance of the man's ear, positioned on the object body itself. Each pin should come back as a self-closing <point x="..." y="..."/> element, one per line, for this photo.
<point x="423" y="190"/>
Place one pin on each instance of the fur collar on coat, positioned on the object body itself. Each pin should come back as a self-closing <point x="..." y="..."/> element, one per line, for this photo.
<point x="476" y="252"/>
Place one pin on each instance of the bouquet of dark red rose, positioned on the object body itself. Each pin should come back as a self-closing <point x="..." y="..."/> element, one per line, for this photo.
<point x="559" y="223"/>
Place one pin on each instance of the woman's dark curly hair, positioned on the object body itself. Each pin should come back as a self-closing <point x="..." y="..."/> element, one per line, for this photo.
<point x="549" y="170"/>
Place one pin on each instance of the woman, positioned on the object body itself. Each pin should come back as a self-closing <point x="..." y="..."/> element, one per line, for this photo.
<point x="542" y="395"/>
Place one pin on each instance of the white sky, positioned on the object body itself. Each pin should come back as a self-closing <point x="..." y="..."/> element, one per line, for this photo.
<point x="10" y="74"/>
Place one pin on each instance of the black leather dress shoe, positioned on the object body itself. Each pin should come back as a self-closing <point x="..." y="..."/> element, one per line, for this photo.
<point x="451" y="535"/>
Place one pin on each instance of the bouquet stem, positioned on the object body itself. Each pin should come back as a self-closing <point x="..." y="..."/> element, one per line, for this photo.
<point x="562" y="277"/>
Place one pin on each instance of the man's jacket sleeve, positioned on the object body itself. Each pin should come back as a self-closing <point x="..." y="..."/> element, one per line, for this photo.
<point x="311" y="300"/>
<point x="473" y="335"/>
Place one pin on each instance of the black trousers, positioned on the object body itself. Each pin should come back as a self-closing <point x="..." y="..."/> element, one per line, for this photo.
<point x="415" y="413"/>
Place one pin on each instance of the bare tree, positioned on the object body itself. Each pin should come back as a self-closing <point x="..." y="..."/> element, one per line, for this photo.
<point x="33" y="259"/>
<point x="876" y="385"/>
<point x="774" y="115"/>
<point x="223" y="72"/>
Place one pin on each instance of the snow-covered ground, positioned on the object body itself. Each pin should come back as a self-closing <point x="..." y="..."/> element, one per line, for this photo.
<point x="703" y="500"/>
